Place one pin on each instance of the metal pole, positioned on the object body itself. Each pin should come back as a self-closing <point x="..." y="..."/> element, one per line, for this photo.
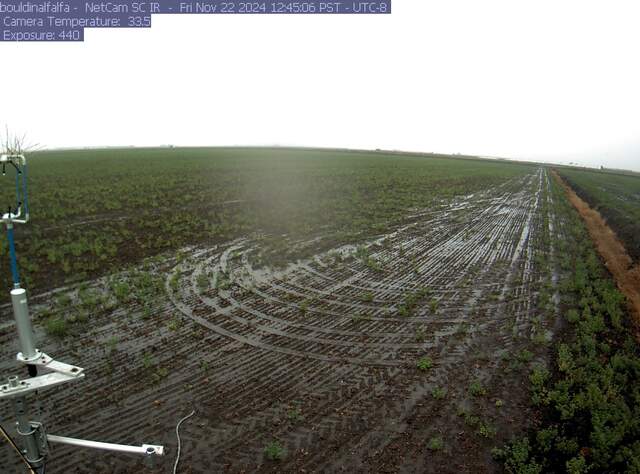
<point x="146" y="449"/>
<point x="23" y="323"/>
<point x="24" y="428"/>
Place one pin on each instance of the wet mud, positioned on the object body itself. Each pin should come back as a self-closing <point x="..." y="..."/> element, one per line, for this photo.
<point x="321" y="355"/>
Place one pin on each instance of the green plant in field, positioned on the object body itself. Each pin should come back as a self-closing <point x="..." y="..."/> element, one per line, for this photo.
<point x="88" y="299"/>
<point x="63" y="300"/>
<point x="223" y="282"/>
<point x="462" y="329"/>
<point x="367" y="297"/>
<point x="147" y="311"/>
<point x="109" y="303"/>
<point x="497" y="453"/>
<point x="538" y="378"/>
<point x="373" y="264"/>
<point x="494" y="296"/>
<point x="121" y="290"/>
<point x="160" y="373"/>
<point x="362" y="253"/>
<point x="81" y="315"/>
<point x="438" y="393"/>
<point x="147" y="360"/>
<point x="573" y="316"/>
<point x="274" y="451"/>
<point x="436" y="444"/>
<point x="202" y="281"/>
<point x="524" y="356"/>
<point x="471" y="420"/>
<point x="295" y="415"/>
<point x="517" y="458"/>
<point x="539" y="338"/>
<point x="57" y="326"/>
<point x="411" y="301"/>
<point x="476" y="389"/>
<point x="546" y="438"/>
<point x="424" y="363"/>
<point x="486" y="430"/>
<point x="42" y="313"/>
<point x="174" y="324"/>
<point x="421" y="334"/>
<point x="577" y="465"/>
<point x="112" y="343"/>
<point x="174" y="282"/>
<point x="565" y="360"/>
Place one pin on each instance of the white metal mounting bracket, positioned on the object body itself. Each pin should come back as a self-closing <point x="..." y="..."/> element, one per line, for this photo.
<point x="61" y="373"/>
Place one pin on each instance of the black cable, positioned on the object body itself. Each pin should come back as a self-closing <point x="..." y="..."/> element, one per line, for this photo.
<point x="33" y="370"/>
<point x="15" y="446"/>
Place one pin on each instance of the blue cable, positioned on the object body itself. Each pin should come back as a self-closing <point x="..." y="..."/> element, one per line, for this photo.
<point x="12" y="254"/>
<point x="12" y="248"/>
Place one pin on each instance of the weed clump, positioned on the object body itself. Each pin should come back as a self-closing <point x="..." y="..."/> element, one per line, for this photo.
<point x="367" y="297"/>
<point x="57" y="327"/>
<point x="438" y="393"/>
<point x="476" y="389"/>
<point x="436" y="443"/>
<point x="424" y="363"/>
<point x="274" y="451"/>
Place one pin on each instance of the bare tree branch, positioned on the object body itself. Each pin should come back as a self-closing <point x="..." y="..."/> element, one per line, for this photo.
<point x="13" y="144"/>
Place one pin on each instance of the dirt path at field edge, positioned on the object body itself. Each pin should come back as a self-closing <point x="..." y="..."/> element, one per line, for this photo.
<point x="615" y="256"/>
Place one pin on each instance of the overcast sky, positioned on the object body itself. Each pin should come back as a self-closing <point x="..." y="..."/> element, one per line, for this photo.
<point x="546" y="80"/>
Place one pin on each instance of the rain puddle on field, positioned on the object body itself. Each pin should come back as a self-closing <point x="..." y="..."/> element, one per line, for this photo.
<point x="365" y="304"/>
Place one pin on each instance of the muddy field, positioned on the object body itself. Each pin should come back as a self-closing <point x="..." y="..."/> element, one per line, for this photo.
<point x="407" y="353"/>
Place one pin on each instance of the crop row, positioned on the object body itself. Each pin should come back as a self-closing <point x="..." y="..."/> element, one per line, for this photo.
<point x="589" y="398"/>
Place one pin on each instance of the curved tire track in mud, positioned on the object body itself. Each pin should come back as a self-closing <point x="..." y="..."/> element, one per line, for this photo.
<point x="323" y="339"/>
<point x="317" y="310"/>
<point x="475" y="257"/>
